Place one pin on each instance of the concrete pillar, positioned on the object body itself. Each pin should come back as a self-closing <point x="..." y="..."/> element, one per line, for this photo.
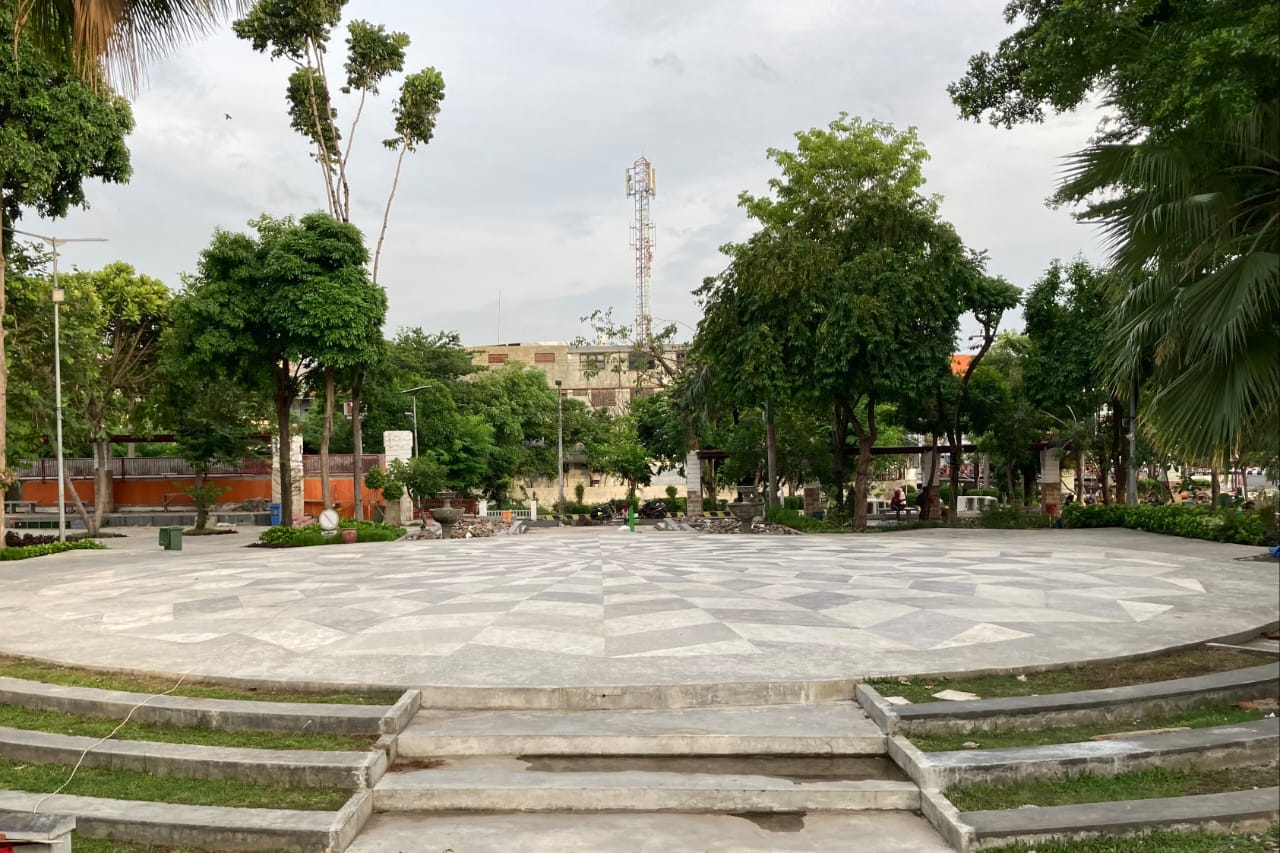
<point x="296" y="469"/>
<point x="693" y="484"/>
<point x="533" y="509"/>
<point x="482" y="508"/>
<point x="398" y="445"/>
<point x="1050" y="481"/>
<point x="812" y="500"/>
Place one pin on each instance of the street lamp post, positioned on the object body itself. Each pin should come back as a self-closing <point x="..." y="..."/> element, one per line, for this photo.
<point x="413" y="393"/>
<point x="59" y="296"/>
<point x="560" y="440"/>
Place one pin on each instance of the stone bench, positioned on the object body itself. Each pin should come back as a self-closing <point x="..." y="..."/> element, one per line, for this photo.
<point x="49" y="833"/>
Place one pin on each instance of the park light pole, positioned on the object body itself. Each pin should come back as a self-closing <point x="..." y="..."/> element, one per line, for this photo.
<point x="58" y="297"/>
<point x="413" y="393"/>
<point x="560" y="439"/>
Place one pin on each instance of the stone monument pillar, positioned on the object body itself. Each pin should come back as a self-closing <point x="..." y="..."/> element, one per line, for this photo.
<point x="296" y="469"/>
<point x="812" y="500"/>
<point x="693" y="485"/>
<point x="1050" y="481"/>
<point x="398" y="444"/>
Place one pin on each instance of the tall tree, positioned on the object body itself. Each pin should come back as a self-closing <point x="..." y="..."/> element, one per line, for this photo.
<point x="300" y="33"/>
<point x="56" y="132"/>
<point x="1184" y="179"/>
<point x="130" y="312"/>
<point x="259" y="308"/>
<point x="867" y="304"/>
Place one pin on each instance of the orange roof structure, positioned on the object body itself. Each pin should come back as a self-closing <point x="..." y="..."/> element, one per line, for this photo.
<point x="960" y="363"/>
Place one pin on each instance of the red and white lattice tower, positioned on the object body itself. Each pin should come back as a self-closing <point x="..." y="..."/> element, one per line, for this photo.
<point x="640" y="186"/>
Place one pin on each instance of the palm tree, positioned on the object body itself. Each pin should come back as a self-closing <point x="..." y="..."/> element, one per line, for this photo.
<point x="117" y="37"/>
<point x="1193" y="224"/>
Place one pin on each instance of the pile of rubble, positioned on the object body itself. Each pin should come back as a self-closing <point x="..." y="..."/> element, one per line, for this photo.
<point x="731" y="525"/>
<point x="469" y="527"/>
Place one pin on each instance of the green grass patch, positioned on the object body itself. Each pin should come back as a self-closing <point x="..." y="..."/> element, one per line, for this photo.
<point x="74" y="677"/>
<point x="56" y="722"/>
<point x="313" y="534"/>
<point x="26" y="552"/>
<point x="1089" y="676"/>
<point x="1217" y="715"/>
<point x="81" y="844"/>
<point x="1156" y="841"/>
<point x="1153" y="783"/>
<point x="131" y="785"/>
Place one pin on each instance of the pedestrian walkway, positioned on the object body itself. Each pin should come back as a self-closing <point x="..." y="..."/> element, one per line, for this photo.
<point x="611" y="608"/>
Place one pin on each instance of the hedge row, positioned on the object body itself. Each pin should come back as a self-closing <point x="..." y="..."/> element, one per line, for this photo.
<point x="26" y="552"/>
<point x="1242" y="527"/>
<point x="313" y="534"/>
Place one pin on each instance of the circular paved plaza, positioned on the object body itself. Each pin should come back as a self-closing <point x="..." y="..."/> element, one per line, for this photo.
<point x="575" y="608"/>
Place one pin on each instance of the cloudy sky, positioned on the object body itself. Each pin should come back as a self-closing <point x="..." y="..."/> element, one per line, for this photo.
<point x="519" y="200"/>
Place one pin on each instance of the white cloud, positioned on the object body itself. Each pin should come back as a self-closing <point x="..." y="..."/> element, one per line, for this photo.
<point x="521" y="190"/>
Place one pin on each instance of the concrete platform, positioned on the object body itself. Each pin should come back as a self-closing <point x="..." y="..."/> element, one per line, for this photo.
<point x="607" y="609"/>
<point x="868" y="832"/>
<point x="839" y="728"/>
<point x="510" y="784"/>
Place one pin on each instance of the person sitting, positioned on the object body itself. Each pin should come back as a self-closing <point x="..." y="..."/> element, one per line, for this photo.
<point x="898" y="501"/>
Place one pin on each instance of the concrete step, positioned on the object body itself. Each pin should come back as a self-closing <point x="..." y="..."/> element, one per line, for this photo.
<point x="636" y="696"/>
<point x="837" y="728"/>
<point x="865" y="832"/>
<point x="548" y="785"/>
<point x="279" y="767"/>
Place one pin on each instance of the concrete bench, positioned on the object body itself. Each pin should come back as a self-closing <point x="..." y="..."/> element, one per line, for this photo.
<point x="19" y="506"/>
<point x="46" y="833"/>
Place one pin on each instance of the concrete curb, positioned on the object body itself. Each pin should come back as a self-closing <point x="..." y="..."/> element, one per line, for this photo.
<point x="1234" y="811"/>
<point x="283" y="767"/>
<point x="210" y="827"/>
<point x="1214" y="748"/>
<point x="399" y="714"/>
<point x="1055" y="709"/>
<point x="635" y="697"/>
<point x="223" y="714"/>
<point x="946" y="819"/>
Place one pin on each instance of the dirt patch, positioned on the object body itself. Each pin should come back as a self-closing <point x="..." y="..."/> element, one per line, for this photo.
<point x="775" y="822"/>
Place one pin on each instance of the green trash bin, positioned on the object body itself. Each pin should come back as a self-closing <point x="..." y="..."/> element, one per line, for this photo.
<point x="171" y="538"/>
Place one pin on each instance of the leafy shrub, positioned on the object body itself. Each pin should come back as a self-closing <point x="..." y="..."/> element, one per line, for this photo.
<point x="1193" y="522"/>
<point x="24" y="552"/>
<point x="983" y="493"/>
<point x="313" y="534"/>
<point x="795" y="502"/>
<point x="14" y="539"/>
<point x="797" y="520"/>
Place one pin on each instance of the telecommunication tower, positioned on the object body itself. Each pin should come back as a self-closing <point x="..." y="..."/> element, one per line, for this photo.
<point x="640" y="186"/>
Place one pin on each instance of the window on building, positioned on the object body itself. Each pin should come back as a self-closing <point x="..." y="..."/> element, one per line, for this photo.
<point x="544" y="358"/>
<point x="639" y="361"/>
<point x="602" y="398"/>
<point x="592" y="360"/>
<point x="497" y="358"/>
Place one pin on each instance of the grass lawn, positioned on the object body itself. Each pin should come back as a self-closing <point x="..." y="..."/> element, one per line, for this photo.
<point x="82" y="844"/>
<point x="1216" y="715"/>
<point x="131" y="785"/>
<point x="1158" y="841"/>
<point x="1090" y="676"/>
<point x="73" y="724"/>
<point x="1138" y="785"/>
<point x="53" y="674"/>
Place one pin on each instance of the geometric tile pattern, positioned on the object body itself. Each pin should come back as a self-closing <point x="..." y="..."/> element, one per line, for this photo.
<point x="560" y="608"/>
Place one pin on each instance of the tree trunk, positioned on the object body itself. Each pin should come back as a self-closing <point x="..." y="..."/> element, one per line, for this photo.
<point x="931" y="485"/>
<point x="283" y="401"/>
<point x="4" y="366"/>
<point x="103" y="482"/>
<point x="839" y="432"/>
<point x="1215" y="488"/>
<point x="357" y="446"/>
<point x="69" y="486"/>
<point x="326" y="495"/>
<point x="1078" y="452"/>
<point x="771" y="455"/>
<point x="1104" y="478"/>
<point x="202" y="505"/>
<point x="865" y="442"/>
<point x="953" y="500"/>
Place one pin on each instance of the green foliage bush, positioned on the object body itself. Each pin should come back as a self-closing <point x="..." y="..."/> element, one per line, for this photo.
<point x="313" y="534"/>
<point x="795" y="502"/>
<point x="983" y="492"/>
<point x="797" y="520"/>
<point x="25" y="552"/>
<point x="1012" y="518"/>
<point x="1242" y="527"/>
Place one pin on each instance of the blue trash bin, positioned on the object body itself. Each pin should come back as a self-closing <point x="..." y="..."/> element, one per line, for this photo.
<point x="275" y="514"/>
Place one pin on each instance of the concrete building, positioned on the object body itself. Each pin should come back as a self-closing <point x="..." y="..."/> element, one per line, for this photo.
<point x="604" y="376"/>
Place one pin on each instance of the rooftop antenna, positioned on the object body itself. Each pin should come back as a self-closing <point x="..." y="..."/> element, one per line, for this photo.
<point x="640" y="186"/>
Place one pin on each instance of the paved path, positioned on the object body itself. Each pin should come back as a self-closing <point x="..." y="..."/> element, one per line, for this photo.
<point x="611" y="608"/>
